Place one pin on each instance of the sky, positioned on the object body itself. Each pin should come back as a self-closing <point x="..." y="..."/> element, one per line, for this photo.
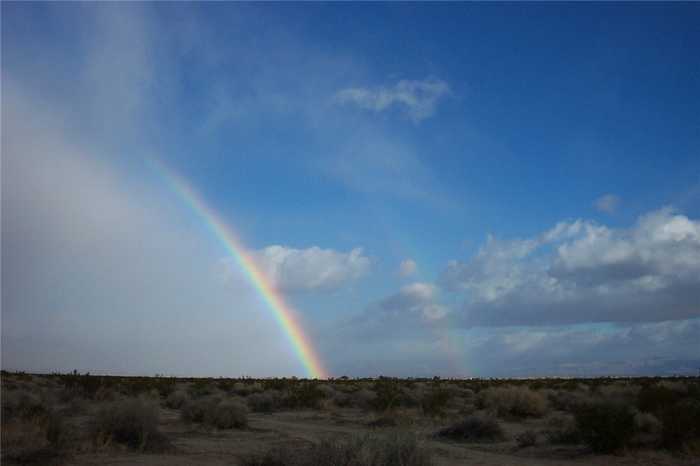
<point x="454" y="190"/>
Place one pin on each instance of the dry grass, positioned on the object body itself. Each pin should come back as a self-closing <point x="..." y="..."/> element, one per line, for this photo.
<point x="515" y="402"/>
<point x="400" y="449"/>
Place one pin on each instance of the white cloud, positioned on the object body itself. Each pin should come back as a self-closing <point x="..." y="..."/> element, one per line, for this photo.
<point x="607" y="203"/>
<point x="407" y="267"/>
<point x="585" y="272"/>
<point x="312" y="269"/>
<point x="417" y="99"/>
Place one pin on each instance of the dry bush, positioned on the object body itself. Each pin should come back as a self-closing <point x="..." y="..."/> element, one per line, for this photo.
<point x="215" y="412"/>
<point x="646" y="423"/>
<point x="30" y="441"/>
<point x="681" y="425"/>
<point x="132" y="422"/>
<point x="400" y="449"/>
<point x="32" y="433"/>
<point x="229" y="414"/>
<point x="623" y="393"/>
<point x="561" y="428"/>
<point x="342" y="400"/>
<point x="605" y="426"/>
<point x="176" y="399"/>
<point x="196" y="410"/>
<point x="474" y="429"/>
<point x="23" y="404"/>
<point x="265" y="402"/>
<point x="566" y="400"/>
<point x="515" y="402"/>
<point x="327" y="390"/>
<point x="435" y="401"/>
<point x="364" y="398"/>
<point x="526" y="439"/>
<point x="246" y="389"/>
<point x="657" y="398"/>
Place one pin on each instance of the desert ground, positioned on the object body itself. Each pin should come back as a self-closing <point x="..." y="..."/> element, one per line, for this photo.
<point x="76" y="419"/>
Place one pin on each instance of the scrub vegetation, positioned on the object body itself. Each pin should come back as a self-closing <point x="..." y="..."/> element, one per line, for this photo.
<point x="87" y="419"/>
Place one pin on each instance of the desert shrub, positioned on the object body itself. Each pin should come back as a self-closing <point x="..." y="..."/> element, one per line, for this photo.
<point x="201" y="388"/>
<point x="474" y="429"/>
<point x="21" y="404"/>
<point x="327" y="390"/>
<point x="304" y="395"/>
<point x="526" y="439"/>
<point x="32" y="441"/>
<point x="342" y="399"/>
<point x="364" y="398"/>
<point x="264" y="402"/>
<point x="605" y="426"/>
<point x="681" y="424"/>
<point x="411" y="397"/>
<point x="83" y="385"/>
<point x="400" y="449"/>
<point x="656" y="398"/>
<point x="132" y="422"/>
<point x="196" y="410"/>
<point x="513" y="401"/>
<point x="561" y="428"/>
<point x="176" y="399"/>
<point x="566" y="400"/>
<point x="435" y="401"/>
<point x="388" y="393"/>
<point x="245" y="389"/>
<point x="229" y="414"/>
<point x="214" y="412"/>
<point x="619" y="393"/>
<point x="646" y="423"/>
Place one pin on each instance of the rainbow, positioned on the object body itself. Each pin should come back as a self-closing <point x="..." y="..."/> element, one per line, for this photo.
<point x="273" y="299"/>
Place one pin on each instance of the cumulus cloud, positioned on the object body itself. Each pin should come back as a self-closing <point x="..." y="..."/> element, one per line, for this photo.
<point x="607" y="203"/>
<point x="584" y="272"/>
<point x="311" y="269"/>
<point x="416" y="98"/>
<point x="408" y="312"/>
<point x="407" y="267"/>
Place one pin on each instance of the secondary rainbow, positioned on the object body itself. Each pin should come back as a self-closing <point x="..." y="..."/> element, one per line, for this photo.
<point x="282" y="312"/>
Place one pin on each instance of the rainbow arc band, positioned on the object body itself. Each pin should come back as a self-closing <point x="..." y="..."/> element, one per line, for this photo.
<point x="273" y="299"/>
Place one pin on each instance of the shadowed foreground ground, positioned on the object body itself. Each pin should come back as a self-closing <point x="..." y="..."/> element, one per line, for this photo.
<point x="84" y="420"/>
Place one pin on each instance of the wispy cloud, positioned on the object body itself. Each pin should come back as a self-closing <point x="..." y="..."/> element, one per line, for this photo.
<point x="407" y="268"/>
<point x="417" y="99"/>
<point x="607" y="203"/>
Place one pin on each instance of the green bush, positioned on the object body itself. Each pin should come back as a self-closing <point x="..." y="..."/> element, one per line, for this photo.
<point x="605" y="426"/>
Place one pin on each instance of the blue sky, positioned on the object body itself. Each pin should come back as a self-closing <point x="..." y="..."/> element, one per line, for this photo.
<point x="534" y="167"/>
